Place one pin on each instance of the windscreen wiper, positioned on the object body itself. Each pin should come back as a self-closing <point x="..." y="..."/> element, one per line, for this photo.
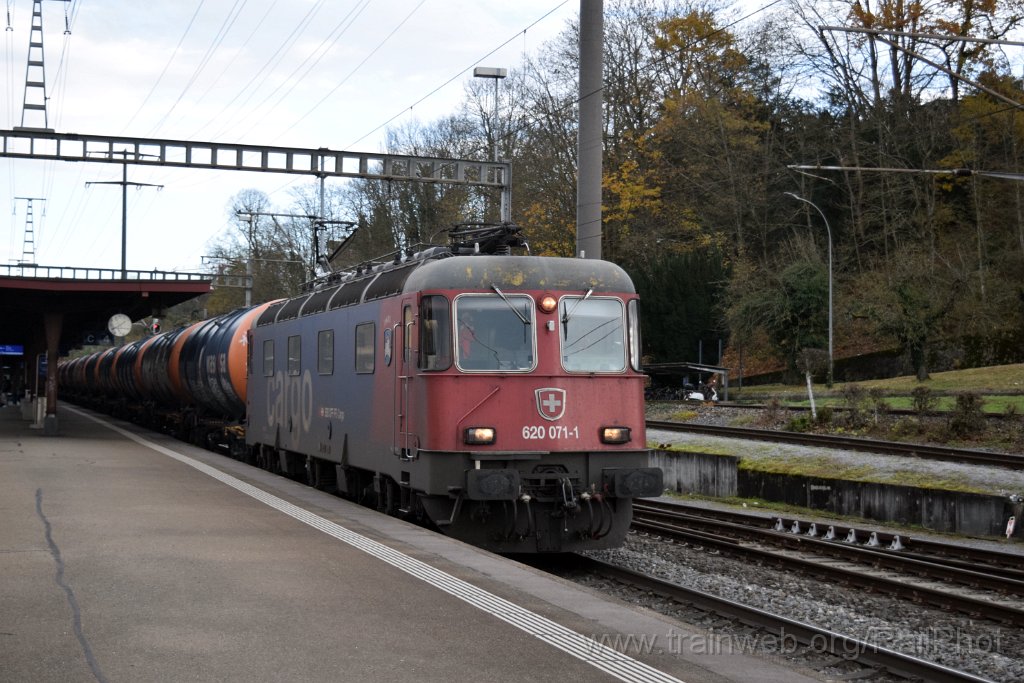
<point x="510" y="305"/>
<point x="568" y="313"/>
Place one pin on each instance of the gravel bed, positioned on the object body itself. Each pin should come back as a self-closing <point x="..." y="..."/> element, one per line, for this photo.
<point x="985" y="649"/>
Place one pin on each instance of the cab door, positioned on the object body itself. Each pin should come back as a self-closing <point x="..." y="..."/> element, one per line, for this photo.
<point x="405" y="443"/>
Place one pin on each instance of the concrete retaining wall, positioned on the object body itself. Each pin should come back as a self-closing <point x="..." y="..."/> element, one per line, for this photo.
<point x="701" y="473"/>
<point x="718" y="475"/>
<point x="964" y="513"/>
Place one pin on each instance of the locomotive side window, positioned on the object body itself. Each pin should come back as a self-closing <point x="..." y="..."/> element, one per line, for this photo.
<point x="495" y="333"/>
<point x="365" y="348"/>
<point x="635" y="348"/>
<point x="435" y="334"/>
<point x="268" y="358"/>
<point x="325" y="352"/>
<point x="295" y="355"/>
<point x="592" y="334"/>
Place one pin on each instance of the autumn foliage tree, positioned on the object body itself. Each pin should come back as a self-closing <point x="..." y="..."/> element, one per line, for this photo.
<point x="710" y="121"/>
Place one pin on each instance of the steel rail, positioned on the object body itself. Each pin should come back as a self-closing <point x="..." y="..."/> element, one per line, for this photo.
<point x="804" y="633"/>
<point x="881" y="559"/>
<point x="974" y="607"/>
<point x="927" y="452"/>
<point x="730" y="405"/>
<point x="1009" y="565"/>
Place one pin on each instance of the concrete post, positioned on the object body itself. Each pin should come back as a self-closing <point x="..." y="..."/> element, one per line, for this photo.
<point x="589" y="141"/>
<point x="53" y="323"/>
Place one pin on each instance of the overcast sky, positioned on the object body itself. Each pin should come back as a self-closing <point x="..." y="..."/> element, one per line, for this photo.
<point x="294" y="73"/>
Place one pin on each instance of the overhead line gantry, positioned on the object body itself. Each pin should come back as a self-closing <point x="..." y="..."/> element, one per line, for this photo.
<point x="321" y="162"/>
<point x="47" y="145"/>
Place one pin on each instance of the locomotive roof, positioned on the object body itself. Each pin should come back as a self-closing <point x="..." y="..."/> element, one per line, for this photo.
<point x="519" y="272"/>
<point x="477" y="272"/>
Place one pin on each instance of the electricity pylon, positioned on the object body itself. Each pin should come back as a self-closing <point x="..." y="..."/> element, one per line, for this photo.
<point x="35" y="72"/>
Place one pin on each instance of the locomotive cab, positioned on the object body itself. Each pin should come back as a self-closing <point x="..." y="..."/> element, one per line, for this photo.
<point x="531" y="399"/>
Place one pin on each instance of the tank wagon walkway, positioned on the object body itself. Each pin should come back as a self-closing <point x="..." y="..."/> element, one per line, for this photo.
<point x="128" y="556"/>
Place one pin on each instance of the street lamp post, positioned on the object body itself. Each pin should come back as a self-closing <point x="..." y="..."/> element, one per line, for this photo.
<point x="496" y="74"/>
<point x="828" y="229"/>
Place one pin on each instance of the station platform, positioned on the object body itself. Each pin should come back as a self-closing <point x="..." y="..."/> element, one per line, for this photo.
<point x="128" y="556"/>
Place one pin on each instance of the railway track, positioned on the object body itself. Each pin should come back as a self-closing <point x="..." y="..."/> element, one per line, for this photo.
<point x="817" y="639"/>
<point x="729" y="405"/>
<point x="982" y="585"/>
<point x="924" y="451"/>
<point x="1009" y="564"/>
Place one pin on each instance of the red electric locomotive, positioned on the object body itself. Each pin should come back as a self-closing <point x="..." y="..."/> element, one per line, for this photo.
<point x="500" y="397"/>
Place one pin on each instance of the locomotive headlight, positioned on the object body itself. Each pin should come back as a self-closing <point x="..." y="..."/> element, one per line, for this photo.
<point x="615" y="435"/>
<point x="548" y="304"/>
<point x="479" y="435"/>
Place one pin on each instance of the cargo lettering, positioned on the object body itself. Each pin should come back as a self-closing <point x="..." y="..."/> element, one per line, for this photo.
<point x="290" y="396"/>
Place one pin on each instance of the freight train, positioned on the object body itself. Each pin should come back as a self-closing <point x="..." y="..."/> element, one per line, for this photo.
<point x="495" y="397"/>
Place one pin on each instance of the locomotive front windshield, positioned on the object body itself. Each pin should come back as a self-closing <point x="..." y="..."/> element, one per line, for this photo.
<point x="495" y="332"/>
<point x="592" y="334"/>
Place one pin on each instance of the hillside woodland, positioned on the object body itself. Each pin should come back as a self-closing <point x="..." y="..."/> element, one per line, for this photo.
<point x="907" y="143"/>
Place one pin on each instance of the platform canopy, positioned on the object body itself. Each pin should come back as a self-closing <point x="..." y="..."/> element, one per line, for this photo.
<point x="83" y="300"/>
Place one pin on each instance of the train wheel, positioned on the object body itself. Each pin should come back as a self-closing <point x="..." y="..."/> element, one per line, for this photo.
<point x="266" y="458"/>
<point x="388" y="496"/>
<point x="321" y="475"/>
<point x="247" y="453"/>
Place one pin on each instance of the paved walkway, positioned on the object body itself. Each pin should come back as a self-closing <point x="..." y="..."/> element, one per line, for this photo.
<point x="128" y="556"/>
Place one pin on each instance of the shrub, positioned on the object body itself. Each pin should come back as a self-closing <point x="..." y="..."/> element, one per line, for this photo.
<point x="967" y="417"/>
<point x="879" y="406"/>
<point x="923" y="400"/>
<point x="801" y="423"/>
<point x="773" y="411"/>
<point x="907" y="428"/>
<point x="854" y="397"/>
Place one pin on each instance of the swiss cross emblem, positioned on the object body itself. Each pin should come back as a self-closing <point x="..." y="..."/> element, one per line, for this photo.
<point x="550" y="403"/>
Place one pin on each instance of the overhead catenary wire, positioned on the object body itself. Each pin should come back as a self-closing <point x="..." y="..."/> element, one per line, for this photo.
<point x="574" y="102"/>
<point x="60" y="90"/>
<point x="163" y="72"/>
<point x="229" y="21"/>
<point x="54" y="104"/>
<point x="263" y="72"/>
<point x="222" y="32"/>
<point x="237" y="54"/>
<point x="310" y="62"/>
<point x="291" y="182"/>
<point x="343" y="80"/>
<point x="954" y="172"/>
<point x="303" y="115"/>
<point x="274" y="59"/>
<point x="447" y="82"/>
<point x="529" y="121"/>
<point x="355" y="69"/>
<point x="9" y="92"/>
<point x="269" y="64"/>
